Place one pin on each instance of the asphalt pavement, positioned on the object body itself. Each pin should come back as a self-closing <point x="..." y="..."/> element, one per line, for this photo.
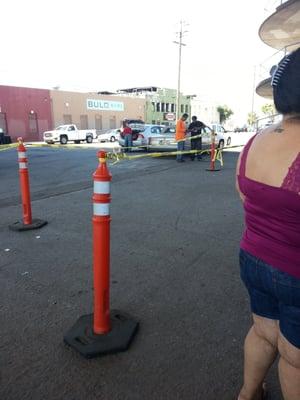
<point x="175" y="235"/>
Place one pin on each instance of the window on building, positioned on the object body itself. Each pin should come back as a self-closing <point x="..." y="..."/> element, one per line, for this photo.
<point x="181" y="108"/>
<point x="158" y="107"/>
<point x="172" y="107"/>
<point x="84" y="122"/>
<point x="33" y="124"/>
<point x="153" y="122"/>
<point x="153" y="106"/>
<point x="186" y="108"/>
<point x="112" y="122"/>
<point x="167" y="107"/>
<point x="3" y="123"/>
<point x="162" y="107"/>
<point x="98" y="122"/>
<point x="67" y="119"/>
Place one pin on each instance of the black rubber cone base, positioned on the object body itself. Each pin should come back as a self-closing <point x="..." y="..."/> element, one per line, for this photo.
<point x="82" y="338"/>
<point x="20" y="226"/>
<point x="213" y="170"/>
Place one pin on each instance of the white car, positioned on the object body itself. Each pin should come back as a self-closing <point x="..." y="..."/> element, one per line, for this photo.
<point x="166" y="140"/>
<point x="223" y="135"/>
<point x="111" y="135"/>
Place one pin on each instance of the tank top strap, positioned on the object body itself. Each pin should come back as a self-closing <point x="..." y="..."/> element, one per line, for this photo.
<point x="244" y="156"/>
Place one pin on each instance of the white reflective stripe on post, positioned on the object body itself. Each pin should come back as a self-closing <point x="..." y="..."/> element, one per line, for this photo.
<point x="101" y="187"/>
<point x="22" y="165"/>
<point x="101" y="209"/>
<point x="21" y="154"/>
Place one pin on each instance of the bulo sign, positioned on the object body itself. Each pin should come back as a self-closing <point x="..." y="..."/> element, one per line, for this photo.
<point x="104" y="105"/>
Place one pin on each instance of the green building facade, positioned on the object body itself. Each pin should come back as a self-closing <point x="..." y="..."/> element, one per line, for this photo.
<point x="160" y="105"/>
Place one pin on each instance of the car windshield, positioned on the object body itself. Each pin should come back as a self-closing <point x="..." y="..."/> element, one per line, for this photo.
<point x="156" y="129"/>
<point x="61" y="127"/>
<point x="207" y="129"/>
<point x="169" y="130"/>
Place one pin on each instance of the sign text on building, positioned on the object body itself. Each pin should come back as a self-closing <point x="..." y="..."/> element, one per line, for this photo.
<point x="169" y="116"/>
<point x="104" y="105"/>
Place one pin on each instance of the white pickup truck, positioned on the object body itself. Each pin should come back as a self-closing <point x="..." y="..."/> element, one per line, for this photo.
<point x="67" y="133"/>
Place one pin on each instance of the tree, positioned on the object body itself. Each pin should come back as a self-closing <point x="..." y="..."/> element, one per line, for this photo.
<point x="252" y="118"/>
<point x="268" y="109"/>
<point x="224" y="113"/>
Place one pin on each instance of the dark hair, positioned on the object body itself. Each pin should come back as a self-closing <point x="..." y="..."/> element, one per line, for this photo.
<point x="194" y="117"/>
<point x="185" y="115"/>
<point x="286" y="92"/>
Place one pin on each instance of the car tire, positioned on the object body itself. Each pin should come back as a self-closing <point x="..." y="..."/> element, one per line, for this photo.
<point x="112" y="139"/>
<point x="89" y="139"/>
<point x="221" y="144"/>
<point x="63" y="139"/>
<point x="228" y="143"/>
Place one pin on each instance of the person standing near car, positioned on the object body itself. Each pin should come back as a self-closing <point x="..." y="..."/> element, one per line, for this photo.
<point x="127" y="134"/>
<point x="195" y="128"/>
<point x="268" y="181"/>
<point x="180" y="136"/>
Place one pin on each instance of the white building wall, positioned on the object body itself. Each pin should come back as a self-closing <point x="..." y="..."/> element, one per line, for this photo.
<point x="206" y="111"/>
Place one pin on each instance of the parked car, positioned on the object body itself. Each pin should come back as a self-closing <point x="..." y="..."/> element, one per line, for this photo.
<point x="66" y="133"/>
<point x="166" y="140"/>
<point x="111" y="135"/>
<point x="141" y="135"/>
<point x="222" y="134"/>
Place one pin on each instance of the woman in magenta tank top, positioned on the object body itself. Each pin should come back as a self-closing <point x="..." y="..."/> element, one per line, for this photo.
<point x="268" y="181"/>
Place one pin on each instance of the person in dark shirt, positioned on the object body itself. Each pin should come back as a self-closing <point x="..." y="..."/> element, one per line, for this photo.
<point x="195" y="128"/>
<point x="1" y="136"/>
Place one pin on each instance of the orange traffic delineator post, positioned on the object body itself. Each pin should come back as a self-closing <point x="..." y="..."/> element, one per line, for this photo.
<point x="28" y="223"/>
<point x="212" y="154"/>
<point x="105" y="331"/>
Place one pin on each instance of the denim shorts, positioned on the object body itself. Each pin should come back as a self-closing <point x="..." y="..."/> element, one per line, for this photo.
<point x="273" y="294"/>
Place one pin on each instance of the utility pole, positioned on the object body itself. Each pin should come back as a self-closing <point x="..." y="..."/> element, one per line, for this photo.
<point x="253" y="90"/>
<point x="180" y="44"/>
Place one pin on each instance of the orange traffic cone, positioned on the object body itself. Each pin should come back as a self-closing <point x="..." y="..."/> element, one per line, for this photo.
<point x="104" y="331"/>
<point x="28" y="223"/>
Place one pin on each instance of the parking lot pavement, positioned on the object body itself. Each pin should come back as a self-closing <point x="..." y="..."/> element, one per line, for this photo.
<point x="175" y="234"/>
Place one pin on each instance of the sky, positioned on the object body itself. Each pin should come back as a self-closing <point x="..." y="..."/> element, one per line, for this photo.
<point x="95" y="45"/>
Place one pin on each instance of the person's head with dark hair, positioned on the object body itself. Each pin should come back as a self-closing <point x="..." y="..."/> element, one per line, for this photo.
<point x="286" y="84"/>
<point x="184" y="116"/>
<point x="194" y="118"/>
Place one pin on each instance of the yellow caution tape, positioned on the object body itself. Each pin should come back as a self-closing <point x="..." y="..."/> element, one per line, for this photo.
<point x="116" y="155"/>
<point x="8" y="146"/>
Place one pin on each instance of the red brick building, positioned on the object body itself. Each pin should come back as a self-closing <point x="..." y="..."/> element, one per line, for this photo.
<point x="25" y="112"/>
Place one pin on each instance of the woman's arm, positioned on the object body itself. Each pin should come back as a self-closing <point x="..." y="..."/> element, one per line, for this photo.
<point x="242" y="196"/>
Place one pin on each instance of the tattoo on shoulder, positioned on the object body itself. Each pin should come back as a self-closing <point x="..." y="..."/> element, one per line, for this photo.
<point x="279" y="129"/>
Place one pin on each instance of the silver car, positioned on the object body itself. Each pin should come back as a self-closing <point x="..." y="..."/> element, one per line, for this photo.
<point x="166" y="140"/>
<point x="140" y="137"/>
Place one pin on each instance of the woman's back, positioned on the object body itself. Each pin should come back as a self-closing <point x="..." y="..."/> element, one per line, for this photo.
<point x="273" y="153"/>
<point x="269" y="179"/>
